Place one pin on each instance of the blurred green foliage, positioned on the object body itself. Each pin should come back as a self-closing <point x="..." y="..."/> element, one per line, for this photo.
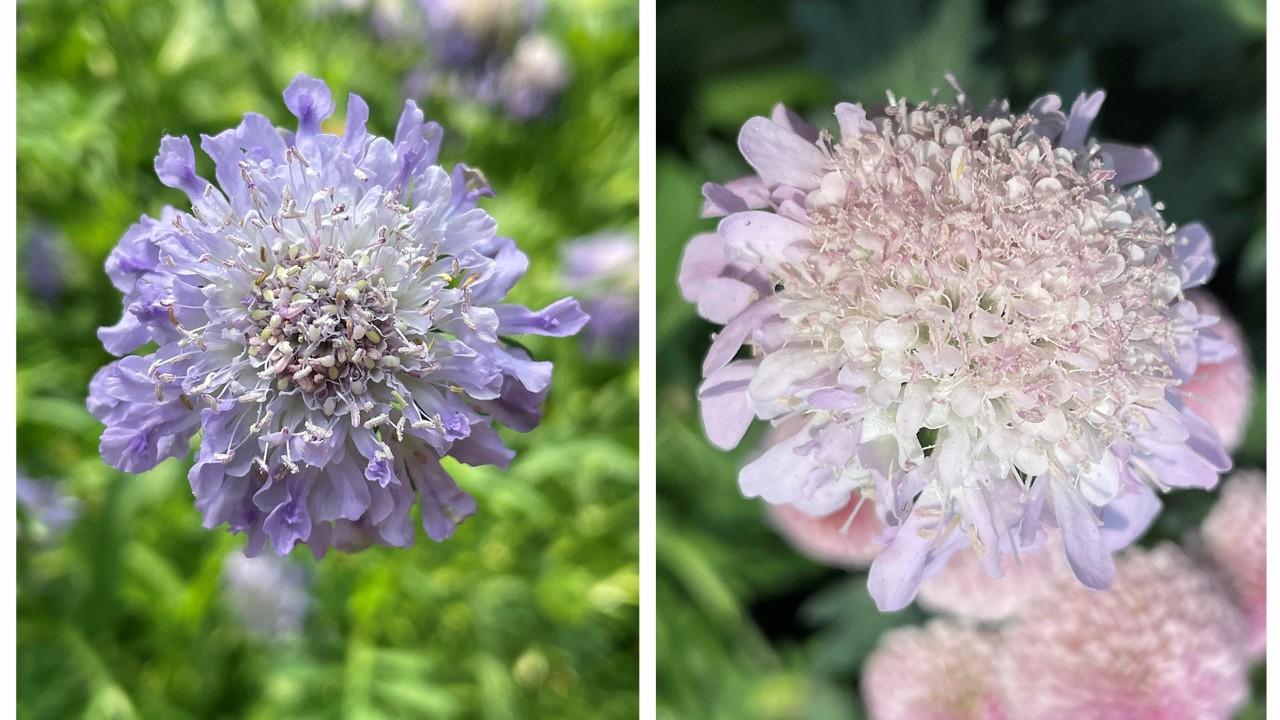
<point x="748" y="628"/>
<point x="531" y="609"/>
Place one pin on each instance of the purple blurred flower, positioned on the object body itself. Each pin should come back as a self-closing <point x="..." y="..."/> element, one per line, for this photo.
<point x="46" y="261"/>
<point x="330" y="318"/>
<point x="488" y="50"/>
<point x="1162" y="643"/>
<point x="267" y="595"/>
<point x="602" y="269"/>
<point x="50" y="510"/>
<point x="477" y="35"/>
<point x="979" y="319"/>
<point x="534" y="78"/>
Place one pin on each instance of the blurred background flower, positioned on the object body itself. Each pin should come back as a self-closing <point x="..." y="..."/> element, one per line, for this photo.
<point x="963" y="588"/>
<point x="943" y="671"/>
<point x="266" y="594"/>
<point x="602" y="269"/>
<point x="531" y="613"/>
<point x="1222" y="392"/>
<point x="494" y="52"/>
<point x="1235" y="536"/>
<point x="1165" y="642"/>
<point x="48" y="509"/>
<point x="753" y="623"/>
<point x="844" y="538"/>
<point x="47" y="262"/>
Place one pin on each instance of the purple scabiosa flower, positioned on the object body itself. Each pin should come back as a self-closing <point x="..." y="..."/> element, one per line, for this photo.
<point x="267" y="595"/>
<point x="50" y="511"/>
<point x="942" y="671"/>
<point x="1222" y="392"/>
<point x="1235" y="537"/>
<point x="1162" y="643"/>
<point x="602" y="270"/>
<point x="979" y="318"/>
<point x="330" y="317"/>
<point x="962" y="588"/>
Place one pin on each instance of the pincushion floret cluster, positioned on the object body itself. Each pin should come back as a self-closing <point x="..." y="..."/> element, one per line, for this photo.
<point x="977" y="316"/>
<point x="1165" y="642"/>
<point x="330" y="318"/>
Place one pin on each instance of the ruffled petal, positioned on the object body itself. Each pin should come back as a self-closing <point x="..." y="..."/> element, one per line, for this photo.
<point x="779" y="155"/>
<point x="1087" y="553"/>
<point x="726" y="412"/>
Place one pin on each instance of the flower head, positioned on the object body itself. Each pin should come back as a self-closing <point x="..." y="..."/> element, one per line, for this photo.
<point x="954" y="670"/>
<point x="979" y="321"/>
<point x="602" y="270"/>
<point x="1235" y="536"/>
<point x="267" y="595"/>
<point x="330" y="317"/>
<point x="1221" y="391"/>
<point x="1162" y="643"/>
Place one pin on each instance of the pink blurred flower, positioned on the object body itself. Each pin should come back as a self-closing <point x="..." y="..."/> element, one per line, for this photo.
<point x="1222" y="392"/>
<point x="962" y="588"/>
<point x="1163" y="644"/>
<point x="942" y="671"/>
<point x="1235" y="536"/>
<point x="841" y="539"/>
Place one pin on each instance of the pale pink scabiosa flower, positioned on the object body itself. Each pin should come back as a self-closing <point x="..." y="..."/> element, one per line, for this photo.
<point x="1162" y="644"/>
<point x="980" y="322"/>
<point x="1235" y="536"/>
<point x="963" y="588"/>
<point x="1222" y="392"/>
<point x="942" y="671"/>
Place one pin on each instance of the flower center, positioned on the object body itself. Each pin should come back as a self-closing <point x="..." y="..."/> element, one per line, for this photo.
<point x="324" y="309"/>
<point x="992" y="274"/>
<point x="323" y="321"/>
